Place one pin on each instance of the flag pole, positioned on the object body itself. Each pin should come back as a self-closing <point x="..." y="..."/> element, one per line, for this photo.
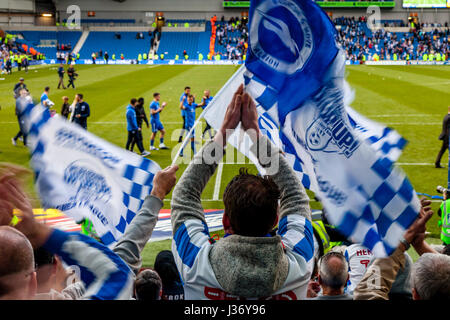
<point x="202" y="115"/>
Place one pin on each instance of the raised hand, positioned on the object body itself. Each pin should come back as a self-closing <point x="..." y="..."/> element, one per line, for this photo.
<point x="232" y="117"/>
<point x="164" y="181"/>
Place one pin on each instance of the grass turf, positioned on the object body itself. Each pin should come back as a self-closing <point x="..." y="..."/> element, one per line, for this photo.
<point x="410" y="99"/>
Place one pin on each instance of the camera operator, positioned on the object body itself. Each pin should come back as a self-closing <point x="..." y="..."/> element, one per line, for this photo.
<point x="444" y="214"/>
<point x="72" y="74"/>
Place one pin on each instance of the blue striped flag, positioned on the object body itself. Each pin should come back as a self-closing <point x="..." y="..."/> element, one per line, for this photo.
<point x="83" y="175"/>
<point x="295" y="72"/>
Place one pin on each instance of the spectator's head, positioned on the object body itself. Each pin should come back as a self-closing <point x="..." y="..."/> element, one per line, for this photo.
<point x="50" y="272"/>
<point x="141" y="101"/>
<point x="251" y="205"/>
<point x="148" y="285"/>
<point x="79" y="96"/>
<point x="187" y="90"/>
<point x="156" y="96"/>
<point x="24" y="92"/>
<point x="333" y="273"/>
<point x="65" y="99"/>
<point x="133" y="102"/>
<point x="446" y="250"/>
<point x="206" y="93"/>
<point x="190" y="99"/>
<point x="17" y="274"/>
<point x="431" y="277"/>
<point x="448" y="109"/>
<point x="172" y="288"/>
<point x="47" y="89"/>
<point x="21" y="80"/>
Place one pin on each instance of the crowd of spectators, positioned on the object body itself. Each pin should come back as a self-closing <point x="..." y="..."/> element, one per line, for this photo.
<point x="362" y="44"/>
<point x="232" y="35"/>
<point x="269" y="249"/>
<point x="64" y="47"/>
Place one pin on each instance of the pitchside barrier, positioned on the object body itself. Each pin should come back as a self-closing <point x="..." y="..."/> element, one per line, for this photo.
<point x="149" y="62"/>
<point x="227" y="62"/>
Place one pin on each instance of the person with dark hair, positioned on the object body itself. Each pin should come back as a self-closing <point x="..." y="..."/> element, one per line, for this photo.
<point x="71" y="74"/>
<point x="444" y="136"/>
<point x="141" y="116"/>
<point x="446" y="250"/>
<point x="19" y="86"/>
<point x="205" y="102"/>
<point x="172" y="287"/>
<point x="22" y="132"/>
<point x="45" y="101"/>
<point x="333" y="277"/>
<point x="183" y="102"/>
<point x="148" y="285"/>
<point x="155" y="110"/>
<point x="65" y="108"/>
<point x="82" y="111"/>
<point x="61" y="76"/>
<point x="133" y="128"/>
<point x="250" y="261"/>
<point x="189" y="115"/>
<point x="53" y="278"/>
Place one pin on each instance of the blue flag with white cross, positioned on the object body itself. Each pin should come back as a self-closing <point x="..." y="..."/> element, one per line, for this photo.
<point x="83" y="175"/>
<point x="295" y="72"/>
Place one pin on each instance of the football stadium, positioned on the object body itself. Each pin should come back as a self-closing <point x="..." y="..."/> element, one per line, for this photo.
<point x="223" y="150"/>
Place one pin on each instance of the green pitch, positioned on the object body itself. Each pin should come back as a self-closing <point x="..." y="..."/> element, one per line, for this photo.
<point x="411" y="99"/>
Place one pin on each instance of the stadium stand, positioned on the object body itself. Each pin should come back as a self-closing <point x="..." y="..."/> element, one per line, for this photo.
<point x="361" y="44"/>
<point x="106" y="41"/>
<point x="173" y="43"/>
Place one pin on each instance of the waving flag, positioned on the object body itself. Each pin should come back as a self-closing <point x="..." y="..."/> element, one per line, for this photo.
<point x="295" y="72"/>
<point x="83" y="175"/>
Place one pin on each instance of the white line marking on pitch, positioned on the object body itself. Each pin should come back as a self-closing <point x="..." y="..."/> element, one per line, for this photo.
<point x="218" y="181"/>
<point x="414" y="123"/>
<point x="402" y="115"/>
<point x="414" y="164"/>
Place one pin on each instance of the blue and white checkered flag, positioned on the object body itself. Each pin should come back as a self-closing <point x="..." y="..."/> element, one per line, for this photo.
<point x="85" y="176"/>
<point x="295" y="72"/>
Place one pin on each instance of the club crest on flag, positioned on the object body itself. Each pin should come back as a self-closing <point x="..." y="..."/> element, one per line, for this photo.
<point x="329" y="132"/>
<point x="280" y="22"/>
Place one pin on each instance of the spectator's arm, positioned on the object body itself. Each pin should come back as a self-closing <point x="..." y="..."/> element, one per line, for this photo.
<point x="138" y="233"/>
<point x="186" y="198"/>
<point x="379" y="277"/>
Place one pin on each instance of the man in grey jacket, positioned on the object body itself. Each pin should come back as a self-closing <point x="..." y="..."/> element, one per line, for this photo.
<point x="250" y="262"/>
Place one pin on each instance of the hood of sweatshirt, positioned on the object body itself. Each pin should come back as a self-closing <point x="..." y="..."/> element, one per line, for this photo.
<point x="250" y="267"/>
